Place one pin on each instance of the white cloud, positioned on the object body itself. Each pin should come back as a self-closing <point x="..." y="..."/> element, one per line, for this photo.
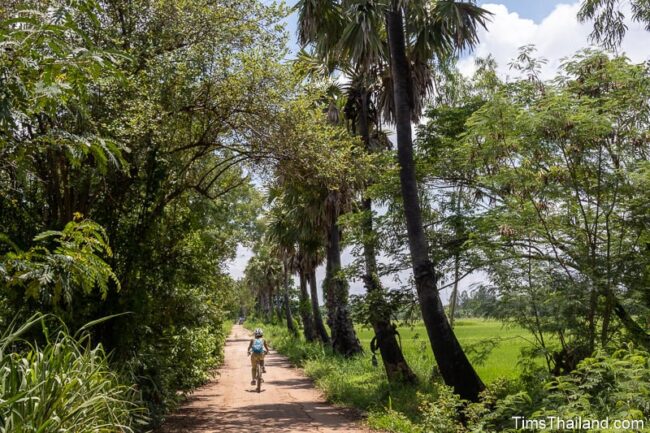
<point x="557" y="36"/>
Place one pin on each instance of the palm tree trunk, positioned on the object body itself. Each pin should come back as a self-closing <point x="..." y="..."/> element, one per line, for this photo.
<point x="321" y="332"/>
<point x="305" y="309"/>
<point x="344" y="339"/>
<point x="395" y="365"/>
<point x="266" y="305"/>
<point x="397" y="369"/>
<point x="454" y="366"/>
<point x="277" y="305"/>
<point x="287" y="306"/>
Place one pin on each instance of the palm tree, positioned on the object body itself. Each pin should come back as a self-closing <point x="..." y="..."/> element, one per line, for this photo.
<point x="282" y="238"/>
<point x="319" y="210"/>
<point x="311" y="245"/>
<point x="305" y="303"/>
<point x="344" y="339"/>
<point x="363" y="59"/>
<point x="452" y="25"/>
<point x="262" y="276"/>
<point x="437" y="29"/>
<point x="360" y="108"/>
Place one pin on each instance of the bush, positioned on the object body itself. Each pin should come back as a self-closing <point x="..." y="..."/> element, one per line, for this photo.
<point x="614" y="386"/>
<point x="64" y="386"/>
<point x="174" y="365"/>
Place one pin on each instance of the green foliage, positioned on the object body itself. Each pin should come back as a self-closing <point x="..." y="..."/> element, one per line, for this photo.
<point x="441" y="410"/>
<point x="606" y="385"/>
<point x="392" y="421"/>
<point x="613" y="385"/>
<point x="63" y="384"/>
<point x="609" y="19"/>
<point x="548" y="173"/>
<point x="75" y="263"/>
<point x="143" y="118"/>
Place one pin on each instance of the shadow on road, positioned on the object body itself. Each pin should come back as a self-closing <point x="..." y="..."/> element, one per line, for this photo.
<point x="286" y="417"/>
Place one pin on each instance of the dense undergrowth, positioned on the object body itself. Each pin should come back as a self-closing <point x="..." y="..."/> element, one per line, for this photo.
<point x="63" y="384"/>
<point x="610" y="385"/>
<point x="54" y="381"/>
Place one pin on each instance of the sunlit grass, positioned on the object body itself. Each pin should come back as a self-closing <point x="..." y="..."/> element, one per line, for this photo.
<point x="501" y="362"/>
<point x="357" y="383"/>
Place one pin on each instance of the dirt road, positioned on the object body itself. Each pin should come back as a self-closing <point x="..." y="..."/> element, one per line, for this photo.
<point x="288" y="401"/>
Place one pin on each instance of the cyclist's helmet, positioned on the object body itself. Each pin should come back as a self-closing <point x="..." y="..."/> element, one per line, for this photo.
<point x="258" y="332"/>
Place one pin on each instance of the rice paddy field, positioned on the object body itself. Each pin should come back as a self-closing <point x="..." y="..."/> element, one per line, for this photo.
<point x="501" y="361"/>
<point x="357" y="383"/>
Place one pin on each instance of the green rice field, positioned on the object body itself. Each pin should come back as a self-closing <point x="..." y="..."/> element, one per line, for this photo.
<point x="501" y="362"/>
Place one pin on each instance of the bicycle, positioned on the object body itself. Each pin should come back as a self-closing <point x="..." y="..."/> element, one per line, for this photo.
<point x="258" y="374"/>
<point x="258" y="377"/>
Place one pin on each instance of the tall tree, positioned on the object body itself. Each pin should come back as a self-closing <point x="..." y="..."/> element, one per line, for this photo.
<point x="364" y="118"/>
<point x="437" y="29"/>
<point x="359" y="53"/>
<point x="459" y="30"/>
<point x="311" y="245"/>
<point x="305" y="307"/>
<point x="283" y="234"/>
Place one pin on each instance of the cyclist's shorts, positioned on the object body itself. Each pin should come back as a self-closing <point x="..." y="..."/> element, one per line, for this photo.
<point x="256" y="357"/>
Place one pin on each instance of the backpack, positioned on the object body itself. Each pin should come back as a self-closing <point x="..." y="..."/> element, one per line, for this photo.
<point x="258" y="345"/>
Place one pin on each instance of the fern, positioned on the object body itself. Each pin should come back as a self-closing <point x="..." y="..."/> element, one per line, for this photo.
<point x="74" y="264"/>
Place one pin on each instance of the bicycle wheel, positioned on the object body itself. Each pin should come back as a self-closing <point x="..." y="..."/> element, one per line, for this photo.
<point x="259" y="377"/>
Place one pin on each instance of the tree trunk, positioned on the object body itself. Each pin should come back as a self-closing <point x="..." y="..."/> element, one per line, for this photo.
<point x="636" y="331"/>
<point x="454" y="366"/>
<point x="287" y="305"/>
<point x="275" y="302"/>
<point x="453" y="300"/>
<point x="321" y="332"/>
<point x="265" y="305"/>
<point x="395" y="365"/>
<point x="305" y="309"/>
<point x="344" y="339"/>
<point x="271" y="304"/>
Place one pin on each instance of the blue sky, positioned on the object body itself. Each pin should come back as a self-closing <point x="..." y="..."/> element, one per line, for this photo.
<point x="535" y="10"/>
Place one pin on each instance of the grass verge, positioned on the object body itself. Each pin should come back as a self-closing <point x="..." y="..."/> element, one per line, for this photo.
<point x="357" y="383"/>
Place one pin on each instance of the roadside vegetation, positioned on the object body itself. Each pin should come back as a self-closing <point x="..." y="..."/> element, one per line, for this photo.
<point x="514" y="385"/>
<point x="143" y="143"/>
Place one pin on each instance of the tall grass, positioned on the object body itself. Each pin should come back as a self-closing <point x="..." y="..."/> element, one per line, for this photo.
<point x="63" y="385"/>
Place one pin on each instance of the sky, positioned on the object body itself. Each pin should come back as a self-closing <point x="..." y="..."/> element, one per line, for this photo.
<point x="550" y="25"/>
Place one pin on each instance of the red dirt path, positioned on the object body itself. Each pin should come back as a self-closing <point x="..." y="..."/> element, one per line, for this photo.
<point x="288" y="401"/>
